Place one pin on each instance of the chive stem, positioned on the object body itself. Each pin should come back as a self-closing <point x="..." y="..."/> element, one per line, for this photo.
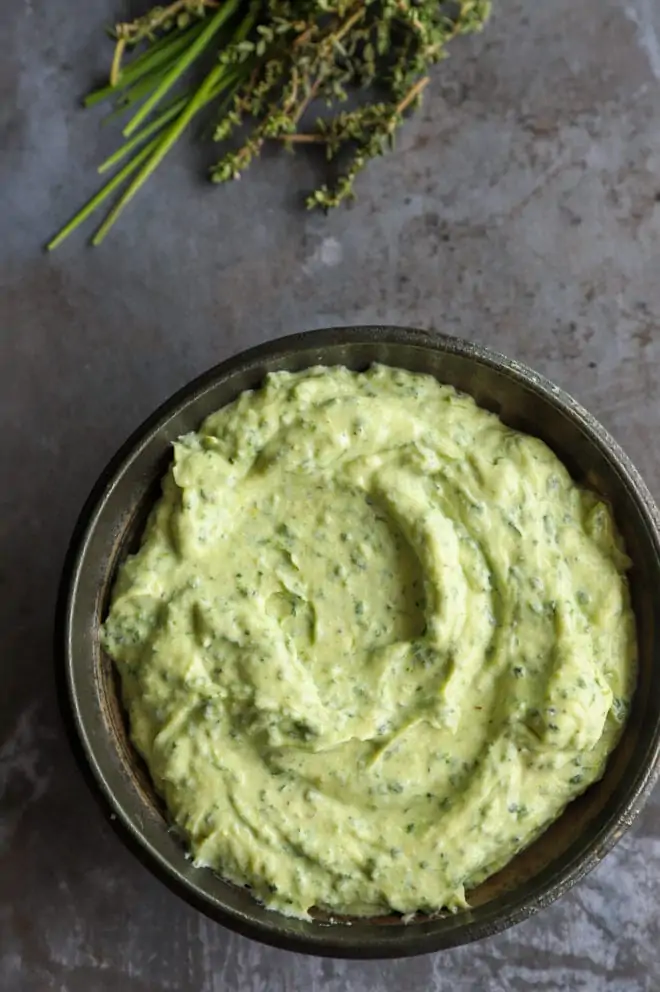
<point x="102" y="195"/>
<point x="137" y="139"/>
<point x="162" y="146"/>
<point x="146" y="63"/>
<point x="186" y="60"/>
<point x="130" y="96"/>
<point x="228" y="85"/>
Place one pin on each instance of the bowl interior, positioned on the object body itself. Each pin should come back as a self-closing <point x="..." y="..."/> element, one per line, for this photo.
<point x="110" y="528"/>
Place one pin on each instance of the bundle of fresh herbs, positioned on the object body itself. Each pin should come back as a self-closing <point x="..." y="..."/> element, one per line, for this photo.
<point x="258" y="66"/>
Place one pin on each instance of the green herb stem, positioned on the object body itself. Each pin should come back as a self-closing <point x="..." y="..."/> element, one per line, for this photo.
<point x="146" y="64"/>
<point x="163" y="118"/>
<point x="132" y="95"/>
<point x="102" y="195"/>
<point x="167" y="115"/>
<point x="161" y="149"/>
<point x="169" y="79"/>
<point x="169" y="40"/>
<point x="228" y="83"/>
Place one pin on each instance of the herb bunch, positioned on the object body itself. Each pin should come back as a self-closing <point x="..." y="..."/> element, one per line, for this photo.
<point x="259" y="67"/>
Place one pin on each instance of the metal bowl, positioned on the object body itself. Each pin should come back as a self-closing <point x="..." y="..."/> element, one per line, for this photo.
<point x="109" y="528"/>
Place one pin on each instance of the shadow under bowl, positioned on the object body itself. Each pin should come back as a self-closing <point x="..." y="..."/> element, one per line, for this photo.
<point x="111" y="523"/>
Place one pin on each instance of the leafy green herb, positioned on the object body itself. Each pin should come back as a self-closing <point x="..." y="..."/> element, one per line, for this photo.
<point x="259" y="66"/>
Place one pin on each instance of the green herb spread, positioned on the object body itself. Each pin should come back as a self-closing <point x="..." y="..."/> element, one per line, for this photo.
<point x="373" y="642"/>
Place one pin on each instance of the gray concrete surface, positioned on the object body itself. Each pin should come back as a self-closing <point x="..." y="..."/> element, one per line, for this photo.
<point x="522" y="209"/>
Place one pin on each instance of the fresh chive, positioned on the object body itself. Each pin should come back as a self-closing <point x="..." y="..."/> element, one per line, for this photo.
<point x="172" y="37"/>
<point x="230" y="85"/>
<point x="102" y="195"/>
<point x="130" y="96"/>
<point x="130" y="167"/>
<point x="163" y="118"/>
<point x="162" y="146"/>
<point x="145" y="65"/>
<point x="169" y="79"/>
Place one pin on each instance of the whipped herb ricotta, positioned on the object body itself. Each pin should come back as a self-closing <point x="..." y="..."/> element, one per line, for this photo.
<point x="372" y="643"/>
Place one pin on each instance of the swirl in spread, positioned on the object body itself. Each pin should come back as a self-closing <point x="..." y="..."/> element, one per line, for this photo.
<point x="373" y="641"/>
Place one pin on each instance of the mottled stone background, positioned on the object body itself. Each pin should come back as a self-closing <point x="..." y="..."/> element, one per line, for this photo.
<point x="521" y="209"/>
